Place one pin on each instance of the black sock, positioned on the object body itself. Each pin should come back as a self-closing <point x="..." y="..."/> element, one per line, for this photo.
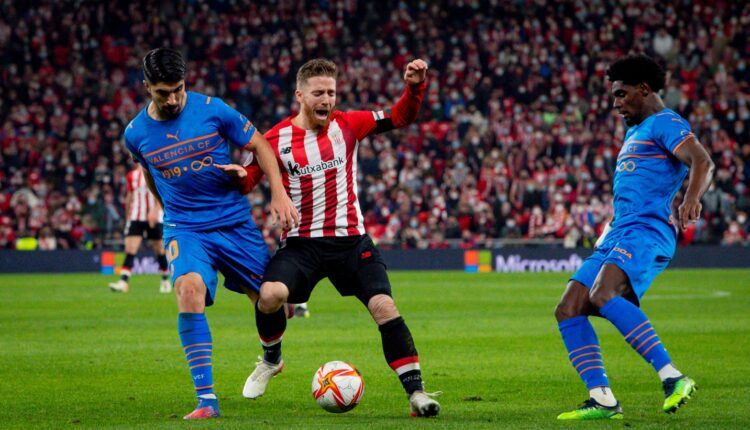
<point x="271" y="328"/>
<point x="401" y="354"/>
<point x="126" y="266"/>
<point x="163" y="266"/>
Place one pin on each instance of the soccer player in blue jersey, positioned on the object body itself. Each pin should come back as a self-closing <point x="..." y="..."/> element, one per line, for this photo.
<point x="179" y="139"/>
<point x="658" y="152"/>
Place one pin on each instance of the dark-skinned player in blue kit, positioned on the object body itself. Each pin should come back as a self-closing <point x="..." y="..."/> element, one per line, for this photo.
<point x="658" y="152"/>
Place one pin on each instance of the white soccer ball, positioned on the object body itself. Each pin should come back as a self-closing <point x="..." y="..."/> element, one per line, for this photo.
<point x="337" y="386"/>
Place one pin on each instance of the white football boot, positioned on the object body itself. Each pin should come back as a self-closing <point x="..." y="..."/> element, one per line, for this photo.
<point x="257" y="382"/>
<point x="119" y="287"/>
<point x="423" y="404"/>
<point x="165" y="286"/>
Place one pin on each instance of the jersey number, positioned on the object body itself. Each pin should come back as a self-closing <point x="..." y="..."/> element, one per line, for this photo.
<point x="173" y="251"/>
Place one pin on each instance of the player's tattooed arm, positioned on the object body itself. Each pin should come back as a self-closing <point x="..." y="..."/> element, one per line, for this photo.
<point x="693" y="154"/>
<point x="281" y="206"/>
<point x="151" y="185"/>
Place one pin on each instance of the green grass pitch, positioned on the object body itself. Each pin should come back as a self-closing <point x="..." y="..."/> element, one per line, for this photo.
<point x="74" y="355"/>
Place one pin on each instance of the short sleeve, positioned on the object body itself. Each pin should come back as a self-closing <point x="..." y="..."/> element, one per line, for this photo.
<point x="135" y="154"/>
<point x="670" y="131"/>
<point x="235" y="127"/>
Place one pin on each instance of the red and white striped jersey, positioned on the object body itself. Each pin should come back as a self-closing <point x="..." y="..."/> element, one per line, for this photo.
<point x="319" y="168"/>
<point x="141" y="199"/>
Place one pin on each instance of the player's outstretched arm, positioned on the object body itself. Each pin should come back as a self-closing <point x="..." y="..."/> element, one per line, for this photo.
<point x="692" y="153"/>
<point x="247" y="176"/>
<point x="151" y="185"/>
<point x="281" y="206"/>
<point x="406" y="109"/>
<point x="403" y="113"/>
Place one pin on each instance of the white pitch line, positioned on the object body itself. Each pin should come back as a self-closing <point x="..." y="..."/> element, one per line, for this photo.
<point x="713" y="295"/>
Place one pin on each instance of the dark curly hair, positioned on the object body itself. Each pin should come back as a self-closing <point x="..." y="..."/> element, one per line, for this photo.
<point x="164" y="65"/>
<point x="636" y="69"/>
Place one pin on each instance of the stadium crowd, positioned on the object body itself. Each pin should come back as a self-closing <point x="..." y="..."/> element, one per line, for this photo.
<point x="516" y="139"/>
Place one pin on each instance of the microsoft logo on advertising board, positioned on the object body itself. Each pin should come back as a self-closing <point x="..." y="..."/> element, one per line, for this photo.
<point x="515" y="263"/>
<point x="481" y="261"/>
<point x="477" y="261"/>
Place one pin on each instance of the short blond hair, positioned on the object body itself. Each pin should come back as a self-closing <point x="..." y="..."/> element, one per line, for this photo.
<point x="316" y="67"/>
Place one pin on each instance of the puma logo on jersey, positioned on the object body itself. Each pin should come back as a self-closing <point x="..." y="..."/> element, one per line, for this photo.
<point x="174" y="136"/>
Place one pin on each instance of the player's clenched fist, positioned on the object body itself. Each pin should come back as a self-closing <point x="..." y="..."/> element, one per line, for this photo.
<point x="689" y="211"/>
<point x="283" y="212"/>
<point x="415" y="72"/>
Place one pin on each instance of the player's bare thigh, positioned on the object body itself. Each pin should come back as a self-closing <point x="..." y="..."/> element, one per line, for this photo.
<point x="132" y="244"/>
<point x="575" y="302"/>
<point x="191" y="293"/>
<point x="250" y="293"/>
<point x="610" y="283"/>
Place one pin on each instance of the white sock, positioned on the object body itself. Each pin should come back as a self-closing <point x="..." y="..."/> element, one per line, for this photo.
<point x="669" y="371"/>
<point x="603" y="396"/>
<point x="207" y="396"/>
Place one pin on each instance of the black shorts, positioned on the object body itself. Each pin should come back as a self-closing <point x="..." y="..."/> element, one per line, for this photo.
<point x="352" y="264"/>
<point x="142" y="229"/>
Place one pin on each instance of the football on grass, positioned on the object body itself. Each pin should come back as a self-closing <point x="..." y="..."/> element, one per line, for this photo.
<point x="337" y="386"/>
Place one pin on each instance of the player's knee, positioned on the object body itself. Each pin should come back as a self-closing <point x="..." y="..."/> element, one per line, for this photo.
<point x="191" y="292"/>
<point x="272" y="296"/>
<point x="382" y="308"/>
<point x="565" y="310"/>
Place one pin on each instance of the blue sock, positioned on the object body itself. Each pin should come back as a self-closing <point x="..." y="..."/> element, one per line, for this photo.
<point x="196" y="341"/>
<point x="583" y="351"/>
<point x="638" y="332"/>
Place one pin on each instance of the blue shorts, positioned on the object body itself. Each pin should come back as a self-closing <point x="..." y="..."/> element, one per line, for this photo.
<point x="238" y="252"/>
<point x="632" y="251"/>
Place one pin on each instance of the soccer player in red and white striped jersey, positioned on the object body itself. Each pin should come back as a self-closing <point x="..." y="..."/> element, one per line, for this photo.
<point x="144" y="220"/>
<point x="317" y="153"/>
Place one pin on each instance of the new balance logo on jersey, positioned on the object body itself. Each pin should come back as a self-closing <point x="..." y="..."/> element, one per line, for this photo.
<point x="296" y="170"/>
<point x="286" y="150"/>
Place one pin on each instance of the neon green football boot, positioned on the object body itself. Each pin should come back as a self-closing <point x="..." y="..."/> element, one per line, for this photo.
<point x="677" y="391"/>
<point x="592" y="410"/>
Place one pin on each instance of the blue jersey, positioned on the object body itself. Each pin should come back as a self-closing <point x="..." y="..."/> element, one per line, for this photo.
<point x="647" y="177"/>
<point x="180" y="154"/>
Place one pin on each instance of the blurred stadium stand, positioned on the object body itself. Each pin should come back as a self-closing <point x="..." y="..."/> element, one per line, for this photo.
<point x="516" y="142"/>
